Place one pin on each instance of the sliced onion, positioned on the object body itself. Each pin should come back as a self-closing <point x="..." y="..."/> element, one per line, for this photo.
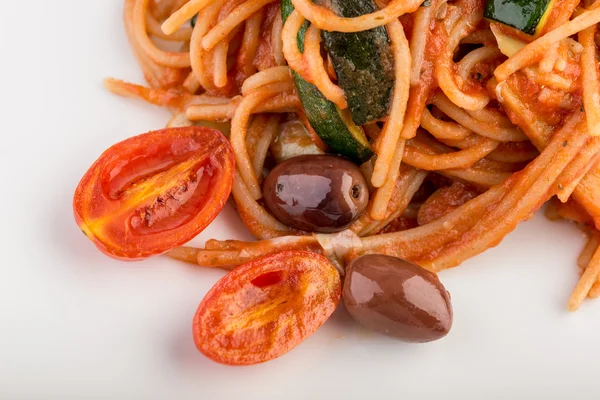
<point x="509" y="46"/>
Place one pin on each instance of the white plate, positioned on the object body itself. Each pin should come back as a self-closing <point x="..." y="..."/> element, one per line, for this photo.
<point x="76" y="324"/>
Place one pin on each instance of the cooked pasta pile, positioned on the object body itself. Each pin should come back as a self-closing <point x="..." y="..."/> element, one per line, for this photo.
<point x="486" y="124"/>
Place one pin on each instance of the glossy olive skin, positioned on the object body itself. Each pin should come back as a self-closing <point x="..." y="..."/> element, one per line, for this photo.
<point x="316" y="193"/>
<point x="397" y="298"/>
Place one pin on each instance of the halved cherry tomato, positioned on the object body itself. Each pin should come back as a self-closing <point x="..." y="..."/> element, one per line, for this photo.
<point x="265" y="308"/>
<point x="156" y="191"/>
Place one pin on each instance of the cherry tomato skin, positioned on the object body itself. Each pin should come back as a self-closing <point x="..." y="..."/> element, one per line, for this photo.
<point x="156" y="191"/>
<point x="265" y="308"/>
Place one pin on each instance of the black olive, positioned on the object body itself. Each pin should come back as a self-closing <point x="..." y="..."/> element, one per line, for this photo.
<point x="316" y="193"/>
<point x="397" y="298"/>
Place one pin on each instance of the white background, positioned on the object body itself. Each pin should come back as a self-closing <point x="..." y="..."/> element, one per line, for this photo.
<point x="77" y="325"/>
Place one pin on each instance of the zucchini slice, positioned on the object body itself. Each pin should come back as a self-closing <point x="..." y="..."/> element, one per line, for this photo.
<point x="334" y="127"/>
<point x="363" y="62"/>
<point x="528" y="16"/>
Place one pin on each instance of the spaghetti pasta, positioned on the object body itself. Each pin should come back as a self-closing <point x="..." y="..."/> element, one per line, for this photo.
<point x="474" y="99"/>
<point x="165" y="58"/>
<point x="327" y="20"/>
<point x="233" y="19"/>
<point x="388" y="143"/>
<point x="476" y="137"/>
<point x="590" y="80"/>
<point x="317" y="72"/>
<point x="536" y="49"/>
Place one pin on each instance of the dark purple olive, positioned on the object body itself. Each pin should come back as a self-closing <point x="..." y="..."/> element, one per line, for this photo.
<point x="397" y="298"/>
<point x="316" y="193"/>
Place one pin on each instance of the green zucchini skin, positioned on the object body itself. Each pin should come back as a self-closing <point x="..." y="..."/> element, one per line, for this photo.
<point x="325" y="119"/>
<point x="323" y="115"/>
<point x="363" y="62"/>
<point x="525" y="15"/>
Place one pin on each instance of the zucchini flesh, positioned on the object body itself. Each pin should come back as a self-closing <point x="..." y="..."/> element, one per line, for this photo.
<point x="363" y="62"/>
<point x="333" y="126"/>
<point x="525" y="15"/>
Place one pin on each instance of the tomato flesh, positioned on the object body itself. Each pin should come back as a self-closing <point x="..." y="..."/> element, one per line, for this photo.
<point x="156" y="191"/>
<point x="265" y="308"/>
